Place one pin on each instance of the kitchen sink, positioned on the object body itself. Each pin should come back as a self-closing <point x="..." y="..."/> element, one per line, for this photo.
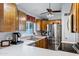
<point x="33" y="38"/>
<point x="32" y="44"/>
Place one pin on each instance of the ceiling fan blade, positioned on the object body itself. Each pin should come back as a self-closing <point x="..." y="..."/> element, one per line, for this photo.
<point x="56" y="11"/>
<point x="43" y="13"/>
<point x="49" y="10"/>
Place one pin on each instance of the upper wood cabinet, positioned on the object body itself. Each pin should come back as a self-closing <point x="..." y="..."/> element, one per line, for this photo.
<point x="22" y="21"/>
<point x="43" y="25"/>
<point x="38" y="23"/>
<point x="1" y="16"/>
<point x="75" y="12"/>
<point x="9" y="20"/>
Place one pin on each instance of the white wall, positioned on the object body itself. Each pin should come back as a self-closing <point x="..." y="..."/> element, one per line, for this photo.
<point x="66" y="34"/>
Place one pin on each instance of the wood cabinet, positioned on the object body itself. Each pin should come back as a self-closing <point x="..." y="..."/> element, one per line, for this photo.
<point x="1" y="16"/>
<point x="75" y="12"/>
<point x="9" y="20"/>
<point x="22" y="21"/>
<point x="42" y="43"/>
<point x="43" y="25"/>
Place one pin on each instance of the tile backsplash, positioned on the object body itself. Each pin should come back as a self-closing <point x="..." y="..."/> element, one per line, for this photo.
<point x="3" y="35"/>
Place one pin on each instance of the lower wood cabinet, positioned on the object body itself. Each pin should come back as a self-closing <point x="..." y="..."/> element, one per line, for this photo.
<point x="43" y="43"/>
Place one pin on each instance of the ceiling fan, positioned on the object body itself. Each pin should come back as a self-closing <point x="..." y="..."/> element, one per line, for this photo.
<point x="50" y="11"/>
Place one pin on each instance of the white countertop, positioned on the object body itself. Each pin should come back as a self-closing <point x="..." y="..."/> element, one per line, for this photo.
<point x="25" y="50"/>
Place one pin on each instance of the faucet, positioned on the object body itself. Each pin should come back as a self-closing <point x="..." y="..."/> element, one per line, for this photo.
<point x="33" y="36"/>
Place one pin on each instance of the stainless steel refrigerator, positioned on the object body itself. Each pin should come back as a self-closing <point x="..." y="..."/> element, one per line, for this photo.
<point x="54" y="36"/>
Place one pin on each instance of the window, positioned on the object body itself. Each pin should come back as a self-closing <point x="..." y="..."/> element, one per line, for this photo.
<point x="29" y="27"/>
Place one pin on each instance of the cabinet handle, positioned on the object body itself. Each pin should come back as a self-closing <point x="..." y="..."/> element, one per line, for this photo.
<point x="76" y="28"/>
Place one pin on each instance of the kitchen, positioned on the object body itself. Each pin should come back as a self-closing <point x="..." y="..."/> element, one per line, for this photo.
<point x="35" y="30"/>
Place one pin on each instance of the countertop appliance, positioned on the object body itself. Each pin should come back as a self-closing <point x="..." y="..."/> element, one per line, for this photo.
<point x="15" y="36"/>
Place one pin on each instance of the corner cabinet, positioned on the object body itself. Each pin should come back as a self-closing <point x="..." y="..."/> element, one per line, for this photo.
<point x="8" y="17"/>
<point x="75" y="12"/>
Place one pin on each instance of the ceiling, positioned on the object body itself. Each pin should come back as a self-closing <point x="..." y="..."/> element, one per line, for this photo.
<point x="37" y="8"/>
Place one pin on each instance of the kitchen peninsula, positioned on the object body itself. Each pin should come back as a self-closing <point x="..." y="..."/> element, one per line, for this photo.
<point x="25" y="50"/>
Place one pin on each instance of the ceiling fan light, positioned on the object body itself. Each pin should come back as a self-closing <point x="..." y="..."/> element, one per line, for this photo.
<point x="50" y="16"/>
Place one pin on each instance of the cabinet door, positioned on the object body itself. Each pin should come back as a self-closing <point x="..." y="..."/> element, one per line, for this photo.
<point x="39" y="44"/>
<point x="43" y="25"/>
<point x="38" y="24"/>
<point x="17" y="20"/>
<point x="10" y="17"/>
<point x="78" y="17"/>
<point x="42" y="43"/>
<point x="1" y="16"/>
<point x="22" y="21"/>
<point x="75" y="17"/>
